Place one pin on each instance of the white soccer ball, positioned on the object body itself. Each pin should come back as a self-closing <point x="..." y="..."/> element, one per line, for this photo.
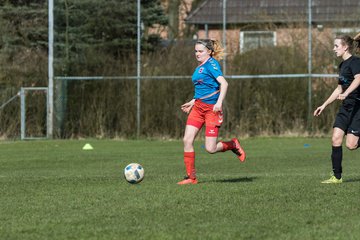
<point x="134" y="173"/>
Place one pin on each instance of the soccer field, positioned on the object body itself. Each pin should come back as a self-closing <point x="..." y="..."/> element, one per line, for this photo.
<point x="56" y="190"/>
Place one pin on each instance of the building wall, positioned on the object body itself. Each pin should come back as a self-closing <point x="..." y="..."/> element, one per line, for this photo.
<point x="184" y="10"/>
<point x="284" y="37"/>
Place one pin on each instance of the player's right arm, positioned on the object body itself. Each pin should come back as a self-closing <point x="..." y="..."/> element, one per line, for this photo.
<point x="186" y="107"/>
<point x="332" y="98"/>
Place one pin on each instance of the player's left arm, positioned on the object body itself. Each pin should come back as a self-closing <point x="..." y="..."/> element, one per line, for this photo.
<point x="355" y="84"/>
<point x="223" y="89"/>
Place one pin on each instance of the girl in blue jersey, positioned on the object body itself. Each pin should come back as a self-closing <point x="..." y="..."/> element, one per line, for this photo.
<point x="206" y="107"/>
<point x="347" y="121"/>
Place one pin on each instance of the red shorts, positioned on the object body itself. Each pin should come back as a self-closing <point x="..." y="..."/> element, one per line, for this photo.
<point x="203" y="113"/>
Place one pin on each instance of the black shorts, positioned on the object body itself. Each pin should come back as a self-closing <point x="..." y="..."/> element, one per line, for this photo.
<point x="348" y="117"/>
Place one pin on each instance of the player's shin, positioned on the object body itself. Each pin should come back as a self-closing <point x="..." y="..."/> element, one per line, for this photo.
<point x="336" y="158"/>
<point x="189" y="161"/>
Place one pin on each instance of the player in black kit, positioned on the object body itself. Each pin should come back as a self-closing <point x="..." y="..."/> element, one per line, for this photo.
<point x="347" y="121"/>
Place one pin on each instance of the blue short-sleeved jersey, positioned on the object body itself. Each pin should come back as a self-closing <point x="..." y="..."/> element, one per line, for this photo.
<point x="204" y="80"/>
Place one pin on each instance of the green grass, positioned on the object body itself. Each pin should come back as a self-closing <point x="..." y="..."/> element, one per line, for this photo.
<point x="55" y="190"/>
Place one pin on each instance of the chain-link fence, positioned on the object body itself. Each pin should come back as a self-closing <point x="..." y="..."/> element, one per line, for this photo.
<point x="278" y="70"/>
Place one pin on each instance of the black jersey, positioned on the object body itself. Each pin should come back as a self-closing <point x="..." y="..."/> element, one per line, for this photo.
<point x="347" y="70"/>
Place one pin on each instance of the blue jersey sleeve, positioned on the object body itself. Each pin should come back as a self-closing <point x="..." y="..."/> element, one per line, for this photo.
<point x="214" y="68"/>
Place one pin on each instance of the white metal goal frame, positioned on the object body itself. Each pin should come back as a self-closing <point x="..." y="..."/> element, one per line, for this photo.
<point x="23" y="93"/>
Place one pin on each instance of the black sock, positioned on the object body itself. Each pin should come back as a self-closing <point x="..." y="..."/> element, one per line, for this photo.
<point x="336" y="158"/>
<point x="358" y="144"/>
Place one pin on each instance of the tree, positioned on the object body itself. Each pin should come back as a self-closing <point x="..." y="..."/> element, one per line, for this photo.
<point x="23" y="41"/>
<point x="109" y="27"/>
<point x="82" y="27"/>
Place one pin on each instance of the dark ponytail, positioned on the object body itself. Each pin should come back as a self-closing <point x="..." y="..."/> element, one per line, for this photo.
<point x="357" y="43"/>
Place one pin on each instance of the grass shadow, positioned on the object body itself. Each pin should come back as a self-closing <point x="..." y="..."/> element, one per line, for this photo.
<point x="352" y="180"/>
<point x="234" y="180"/>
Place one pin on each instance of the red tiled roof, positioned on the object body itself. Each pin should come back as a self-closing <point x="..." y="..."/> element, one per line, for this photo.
<point x="276" y="11"/>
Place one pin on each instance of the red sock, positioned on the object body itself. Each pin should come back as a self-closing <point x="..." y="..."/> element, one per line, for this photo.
<point x="189" y="160"/>
<point x="228" y="146"/>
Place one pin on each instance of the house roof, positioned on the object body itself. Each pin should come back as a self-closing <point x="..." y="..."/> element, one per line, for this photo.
<point x="275" y="11"/>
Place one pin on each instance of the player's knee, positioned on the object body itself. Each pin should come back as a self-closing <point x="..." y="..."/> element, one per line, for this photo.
<point x="187" y="141"/>
<point x="336" y="141"/>
<point x="210" y="149"/>
<point x="351" y="146"/>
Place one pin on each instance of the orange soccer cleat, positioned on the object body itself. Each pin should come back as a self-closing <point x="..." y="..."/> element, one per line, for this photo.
<point x="238" y="150"/>
<point x="188" y="180"/>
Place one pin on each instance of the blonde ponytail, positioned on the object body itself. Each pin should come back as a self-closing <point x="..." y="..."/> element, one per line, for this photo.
<point x="218" y="50"/>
